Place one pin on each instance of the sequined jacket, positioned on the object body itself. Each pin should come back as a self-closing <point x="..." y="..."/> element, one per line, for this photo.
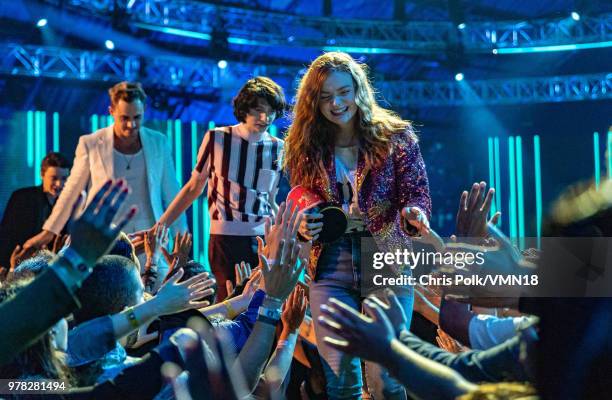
<point x="383" y="191"/>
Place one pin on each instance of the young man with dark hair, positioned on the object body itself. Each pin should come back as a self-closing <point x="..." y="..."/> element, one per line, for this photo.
<point x="28" y="208"/>
<point x="125" y="150"/>
<point x="241" y="164"/>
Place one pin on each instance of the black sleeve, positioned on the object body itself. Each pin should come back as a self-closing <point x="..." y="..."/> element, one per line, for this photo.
<point x="9" y="229"/>
<point x="32" y="312"/>
<point x="499" y="363"/>
<point x="140" y="381"/>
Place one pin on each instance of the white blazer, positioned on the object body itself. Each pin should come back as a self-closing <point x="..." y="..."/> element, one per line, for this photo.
<point x="93" y="166"/>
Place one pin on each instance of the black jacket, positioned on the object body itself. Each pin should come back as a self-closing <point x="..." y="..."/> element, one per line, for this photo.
<point x="25" y="213"/>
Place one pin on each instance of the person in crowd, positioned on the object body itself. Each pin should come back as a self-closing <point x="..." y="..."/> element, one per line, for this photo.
<point x="242" y="167"/>
<point x="115" y="285"/>
<point x="350" y="151"/>
<point x="28" y="208"/>
<point x="125" y="150"/>
<point x="53" y="294"/>
<point x="376" y="336"/>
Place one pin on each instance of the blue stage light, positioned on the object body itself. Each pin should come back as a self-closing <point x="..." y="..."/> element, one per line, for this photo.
<point x="222" y="64"/>
<point x="461" y="26"/>
<point x="109" y="44"/>
<point x="575" y="16"/>
<point x="42" y="22"/>
<point x="459" y="77"/>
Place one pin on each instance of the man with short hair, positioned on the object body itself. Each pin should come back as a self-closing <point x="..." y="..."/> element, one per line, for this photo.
<point x="28" y="208"/>
<point x="125" y="150"/>
<point x="241" y="164"/>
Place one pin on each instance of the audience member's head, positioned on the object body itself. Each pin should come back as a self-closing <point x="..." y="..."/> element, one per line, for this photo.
<point x="54" y="172"/>
<point x="33" y="266"/>
<point x="113" y="285"/>
<point x="40" y="360"/>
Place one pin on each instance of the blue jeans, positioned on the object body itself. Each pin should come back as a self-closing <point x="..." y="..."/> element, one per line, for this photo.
<point x="337" y="276"/>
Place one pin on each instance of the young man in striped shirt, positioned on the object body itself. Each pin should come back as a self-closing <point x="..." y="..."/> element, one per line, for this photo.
<point x="242" y="166"/>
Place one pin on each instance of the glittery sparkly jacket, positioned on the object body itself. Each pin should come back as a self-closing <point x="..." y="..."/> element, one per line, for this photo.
<point x="383" y="191"/>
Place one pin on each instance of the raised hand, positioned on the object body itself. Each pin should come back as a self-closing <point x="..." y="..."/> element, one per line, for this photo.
<point x="182" y="248"/>
<point x="473" y="211"/>
<point x="281" y="273"/>
<point x="393" y="309"/>
<point x="285" y="227"/>
<point x="92" y="234"/>
<point x="154" y="240"/>
<point x="137" y="239"/>
<point x="207" y="360"/>
<point x="366" y="336"/>
<point x="294" y="310"/>
<point x="255" y="282"/>
<point x="174" y="297"/>
<point x="242" y="273"/>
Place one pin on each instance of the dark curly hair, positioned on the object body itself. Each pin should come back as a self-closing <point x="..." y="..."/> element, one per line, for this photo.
<point x="257" y="88"/>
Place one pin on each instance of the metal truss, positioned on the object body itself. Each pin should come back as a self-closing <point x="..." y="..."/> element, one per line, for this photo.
<point x="201" y="76"/>
<point x="58" y="62"/>
<point x="192" y="75"/>
<point x="499" y="91"/>
<point x="251" y="27"/>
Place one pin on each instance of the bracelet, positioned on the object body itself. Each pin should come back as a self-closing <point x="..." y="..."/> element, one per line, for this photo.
<point x="273" y="300"/>
<point x="231" y="313"/>
<point x="267" y="320"/>
<point x="131" y="316"/>
<point x="75" y="260"/>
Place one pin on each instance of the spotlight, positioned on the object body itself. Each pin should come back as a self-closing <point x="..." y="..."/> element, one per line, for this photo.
<point x="42" y="22"/>
<point x="575" y="16"/>
<point x="494" y="51"/>
<point x="459" y="77"/>
<point x="222" y="64"/>
<point x="461" y="26"/>
<point x="109" y="44"/>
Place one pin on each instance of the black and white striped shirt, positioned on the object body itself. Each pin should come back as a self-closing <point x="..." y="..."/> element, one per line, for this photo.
<point x="242" y="175"/>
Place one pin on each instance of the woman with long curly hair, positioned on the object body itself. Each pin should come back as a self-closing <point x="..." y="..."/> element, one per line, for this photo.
<point x="350" y="151"/>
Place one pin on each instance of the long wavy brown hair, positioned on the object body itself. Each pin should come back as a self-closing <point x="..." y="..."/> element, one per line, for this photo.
<point x="309" y="143"/>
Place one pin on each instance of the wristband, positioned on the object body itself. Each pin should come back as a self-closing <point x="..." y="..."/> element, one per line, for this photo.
<point x="274" y="301"/>
<point x="131" y="316"/>
<point x="267" y="320"/>
<point x="71" y="269"/>
<point x="231" y="313"/>
<point x="272" y="313"/>
<point x="75" y="260"/>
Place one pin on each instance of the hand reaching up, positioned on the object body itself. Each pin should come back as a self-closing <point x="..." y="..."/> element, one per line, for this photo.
<point x="294" y="310"/>
<point x="285" y="227"/>
<point x="174" y="297"/>
<point x="281" y="272"/>
<point x="367" y="336"/>
<point x="182" y="248"/>
<point x="154" y="241"/>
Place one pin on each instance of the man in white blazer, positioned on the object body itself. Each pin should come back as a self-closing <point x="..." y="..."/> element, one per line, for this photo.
<point x="125" y="150"/>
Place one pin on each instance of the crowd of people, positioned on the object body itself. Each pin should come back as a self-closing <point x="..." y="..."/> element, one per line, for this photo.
<point x="99" y="290"/>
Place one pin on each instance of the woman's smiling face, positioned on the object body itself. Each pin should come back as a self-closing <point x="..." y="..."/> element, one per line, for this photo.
<point x="337" y="98"/>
